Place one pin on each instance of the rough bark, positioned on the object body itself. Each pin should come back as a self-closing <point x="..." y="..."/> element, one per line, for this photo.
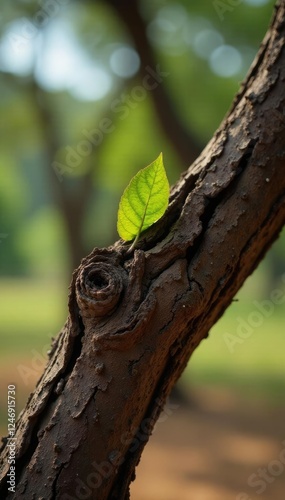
<point x="136" y="318"/>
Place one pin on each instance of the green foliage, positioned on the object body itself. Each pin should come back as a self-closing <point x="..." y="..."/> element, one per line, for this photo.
<point x="95" y="33"/>
<point x="144" y="201"/>
<point x="48" y="255"/>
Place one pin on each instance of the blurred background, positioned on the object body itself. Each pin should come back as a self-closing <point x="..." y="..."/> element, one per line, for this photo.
<point x="90" y="92"/>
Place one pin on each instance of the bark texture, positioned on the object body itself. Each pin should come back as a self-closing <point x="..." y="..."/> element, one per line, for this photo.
<point x="136" y="318"/>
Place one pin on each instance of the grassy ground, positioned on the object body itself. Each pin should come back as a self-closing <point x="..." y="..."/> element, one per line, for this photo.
<point x="250" y="365"/>
<point x="32" y="312"/>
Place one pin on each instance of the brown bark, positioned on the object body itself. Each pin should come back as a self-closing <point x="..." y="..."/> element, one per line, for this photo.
<point x="136" y="318"/>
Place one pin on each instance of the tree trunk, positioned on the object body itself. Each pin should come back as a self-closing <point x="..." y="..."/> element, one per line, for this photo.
<point x="136" y="318"/>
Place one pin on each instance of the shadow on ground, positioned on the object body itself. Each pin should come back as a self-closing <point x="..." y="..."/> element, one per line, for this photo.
<point x="219" y="447"/>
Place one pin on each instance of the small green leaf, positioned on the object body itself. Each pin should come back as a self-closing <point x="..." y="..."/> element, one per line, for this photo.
<point x="144" y="201"/>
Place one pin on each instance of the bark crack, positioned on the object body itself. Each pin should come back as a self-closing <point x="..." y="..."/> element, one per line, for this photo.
<point x="213" y="201"/>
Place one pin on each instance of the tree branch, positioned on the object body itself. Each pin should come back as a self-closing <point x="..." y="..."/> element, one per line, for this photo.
<point x="184" y="141"/>
<point x="135" y="319"/>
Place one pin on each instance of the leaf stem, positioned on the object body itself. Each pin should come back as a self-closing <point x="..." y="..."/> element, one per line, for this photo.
<point x="132" y="247"/>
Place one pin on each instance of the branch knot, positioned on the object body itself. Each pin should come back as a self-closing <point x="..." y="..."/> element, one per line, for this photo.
<point x="99" y="286"/>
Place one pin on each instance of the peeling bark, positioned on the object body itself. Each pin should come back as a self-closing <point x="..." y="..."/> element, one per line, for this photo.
<point x="135" y="319"/>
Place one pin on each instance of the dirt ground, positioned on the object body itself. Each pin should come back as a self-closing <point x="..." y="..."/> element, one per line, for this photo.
<point x="212" y="448"/>
<point x="206" y="449"/>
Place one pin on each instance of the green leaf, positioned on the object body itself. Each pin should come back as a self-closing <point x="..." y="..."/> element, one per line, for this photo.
<point x="144" y="201"/>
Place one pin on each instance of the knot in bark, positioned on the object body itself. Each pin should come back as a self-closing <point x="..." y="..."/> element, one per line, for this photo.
<point x="99" y="286"/>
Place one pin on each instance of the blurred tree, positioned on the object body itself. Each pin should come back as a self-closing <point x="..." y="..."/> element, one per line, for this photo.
<point x="46" y="95"/>
<point x="135" y="318"/>
<point x="187" y="146"/>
